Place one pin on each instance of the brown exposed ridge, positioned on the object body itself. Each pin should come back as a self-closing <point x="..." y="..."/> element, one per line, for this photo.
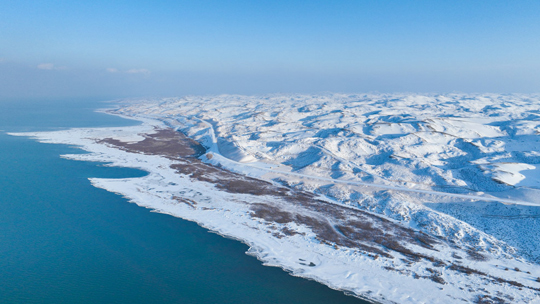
<point x="164" y="142"/>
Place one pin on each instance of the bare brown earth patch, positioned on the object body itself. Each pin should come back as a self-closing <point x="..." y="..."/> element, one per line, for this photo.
<point x="186" y="201"/>
<point x="165" y="142"/>
<point x="332" y="224"/>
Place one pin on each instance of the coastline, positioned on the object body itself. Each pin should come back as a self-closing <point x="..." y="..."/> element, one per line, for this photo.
<point x="343" y="268"/>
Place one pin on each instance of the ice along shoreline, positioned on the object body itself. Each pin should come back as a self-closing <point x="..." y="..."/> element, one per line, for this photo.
<point x="287" y="240"/>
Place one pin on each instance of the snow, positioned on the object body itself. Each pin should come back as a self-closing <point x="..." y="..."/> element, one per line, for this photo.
<point x="483" y="145"/>
<point x="459" y="167"/>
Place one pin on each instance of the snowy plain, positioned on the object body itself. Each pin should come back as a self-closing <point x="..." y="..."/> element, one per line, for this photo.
<point x="459" y="168"/>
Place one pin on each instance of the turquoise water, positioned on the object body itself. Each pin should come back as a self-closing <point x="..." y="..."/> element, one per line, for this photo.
<point x="64" y="241"/>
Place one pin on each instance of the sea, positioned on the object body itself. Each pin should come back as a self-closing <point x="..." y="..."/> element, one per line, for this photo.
<point x="64" y="241"/>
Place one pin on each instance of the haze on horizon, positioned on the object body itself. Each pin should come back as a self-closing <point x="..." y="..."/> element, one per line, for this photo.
<point x="53" y="49"/>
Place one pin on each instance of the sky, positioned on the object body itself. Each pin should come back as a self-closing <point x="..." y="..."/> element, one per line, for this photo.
<point x="53" y="49"/>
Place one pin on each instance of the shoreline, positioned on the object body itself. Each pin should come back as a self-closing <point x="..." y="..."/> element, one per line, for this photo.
<point x="138" y="190"/>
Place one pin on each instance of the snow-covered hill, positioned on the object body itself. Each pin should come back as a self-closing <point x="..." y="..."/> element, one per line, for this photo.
<point x="484" y="147"/>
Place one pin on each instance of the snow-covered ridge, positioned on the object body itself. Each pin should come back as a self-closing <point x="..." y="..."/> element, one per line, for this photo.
<point x="480" y="148"/>
<point x="452" y="142"/>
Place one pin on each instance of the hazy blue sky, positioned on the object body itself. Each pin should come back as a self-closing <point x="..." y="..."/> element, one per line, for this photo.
<point x="132" y="48"/>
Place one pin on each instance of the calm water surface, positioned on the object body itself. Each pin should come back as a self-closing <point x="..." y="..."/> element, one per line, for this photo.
<point x="64" y="241"/>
